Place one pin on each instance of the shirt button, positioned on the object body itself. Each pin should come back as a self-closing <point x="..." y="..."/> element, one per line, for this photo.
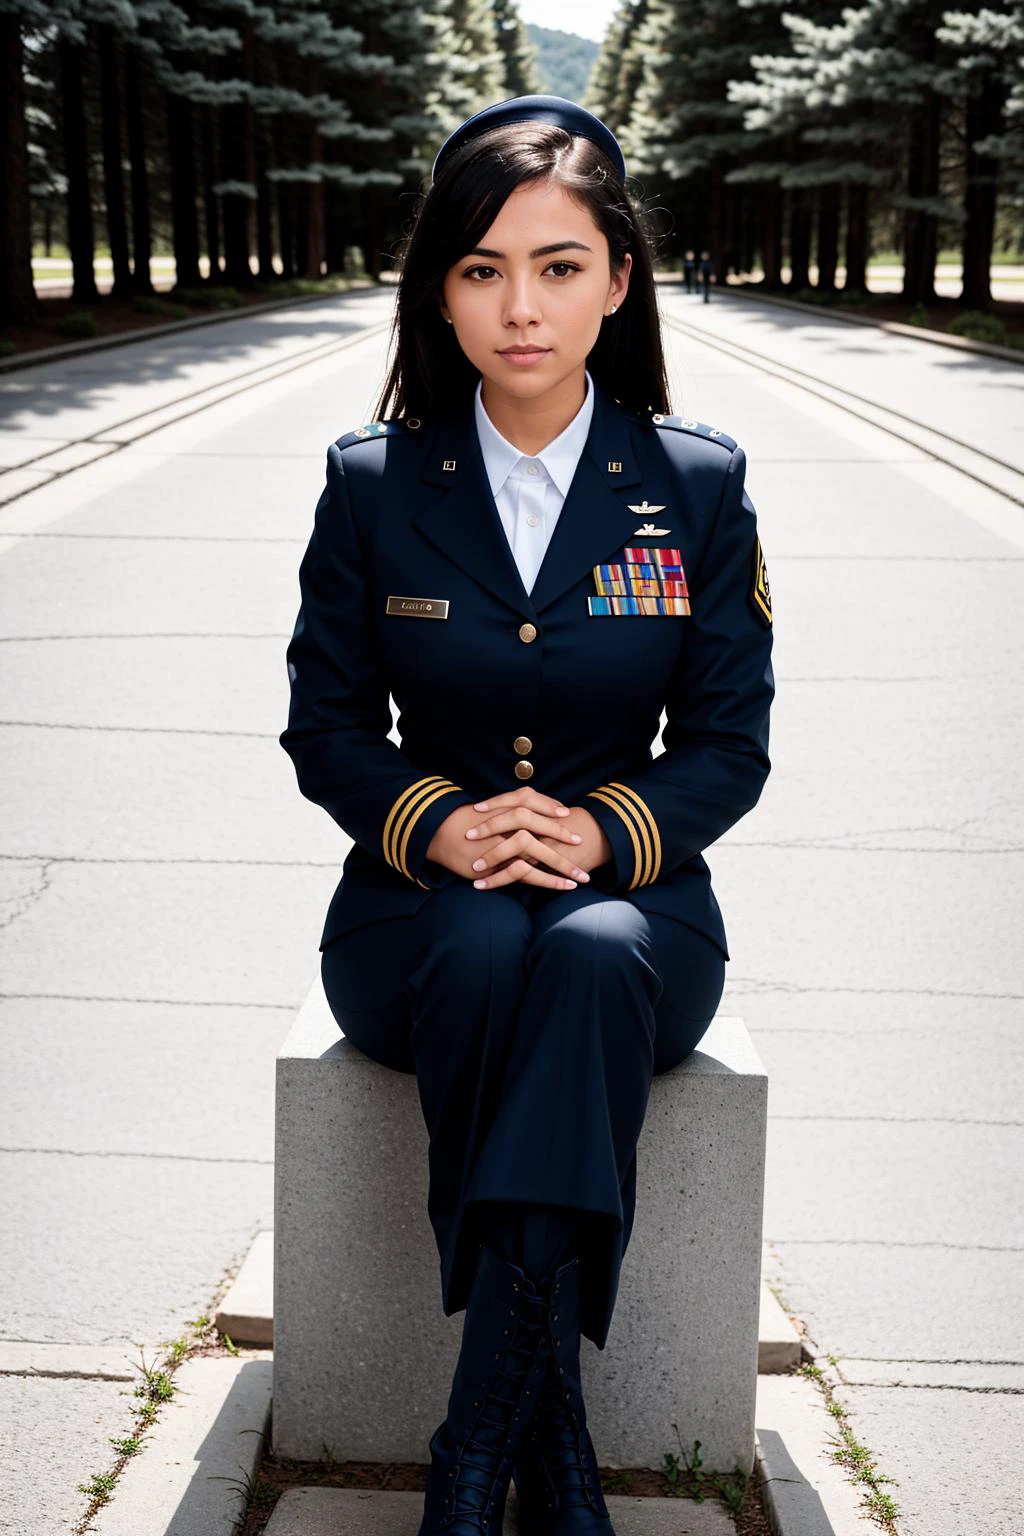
<point x="531" y="469"/>
<point x="527" y="632"/>
<point x="523" y="744"/>
<point x="524" y="770"/>
<point x="533" y="521"/>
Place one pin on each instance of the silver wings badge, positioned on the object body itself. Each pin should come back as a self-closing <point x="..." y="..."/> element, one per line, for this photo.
<point x="645" y="510"/>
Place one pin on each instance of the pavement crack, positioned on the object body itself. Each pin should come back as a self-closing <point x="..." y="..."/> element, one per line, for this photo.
<point x="157" y="1157"/>
<point x="166" y="1002"/>
<point x="750" y="984"/>
<point x="13" y="907"/>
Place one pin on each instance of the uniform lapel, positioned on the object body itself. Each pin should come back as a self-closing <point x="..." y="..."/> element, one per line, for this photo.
<point x="594" y="522"/>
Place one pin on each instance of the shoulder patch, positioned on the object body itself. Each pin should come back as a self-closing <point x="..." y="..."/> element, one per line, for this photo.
<point x="697" y="428"/>
<point x="389" y="428"/>
<point x="760" y="592"/>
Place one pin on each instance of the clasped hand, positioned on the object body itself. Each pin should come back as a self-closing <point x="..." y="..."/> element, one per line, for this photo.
<point x="522" y="828"/>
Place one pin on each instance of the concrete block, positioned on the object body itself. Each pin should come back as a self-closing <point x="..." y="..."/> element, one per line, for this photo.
<point x="246" y="1314"/>
<point x="208" y="1438"/>
<point x="365" y="1512"/>
<point x="779" y="1346"/>
<point x="363" y="1353"/>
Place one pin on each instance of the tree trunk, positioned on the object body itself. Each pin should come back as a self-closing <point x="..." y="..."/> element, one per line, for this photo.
<point x="301" y="195"/>
<point x="286" y="226"/>
<point x="857" y="238"/>
<point x="771" y="237"/>
<point x="142" y="239"/>
<point x="211" y="210"/>
<point x="70" y="58"/>
<point x="799" y="240"/>
<point x="985" y="105"/>
<point x="921" y="239"/>
<point x="113" y="175"/>
<point x="237" y="165"/>
<point x="18" y="302"/>
<point x="264" y="204"/>
<point x="828" y="237"/>
<point x="181" y="153"/>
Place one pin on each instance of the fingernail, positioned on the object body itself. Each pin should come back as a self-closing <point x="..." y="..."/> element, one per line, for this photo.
<point x="563" y="810"/>
<point x="471" y="832"/>
<point x="570" y="884"/>
<point x="479" y="884"/>
<point x="577" y="837"/>
<point x="481" y="805"/>
<point x="480" y="864"/>
<point x="581" y="874"/>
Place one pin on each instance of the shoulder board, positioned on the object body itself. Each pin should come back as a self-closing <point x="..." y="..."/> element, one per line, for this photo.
<point x="390" y="428"/>
<point x="695" y="428"/>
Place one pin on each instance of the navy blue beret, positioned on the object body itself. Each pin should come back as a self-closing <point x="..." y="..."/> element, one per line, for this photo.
<point x="541" y="109"/>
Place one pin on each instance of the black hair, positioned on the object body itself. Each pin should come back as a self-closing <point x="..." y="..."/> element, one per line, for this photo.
<point x="429" y="368"/>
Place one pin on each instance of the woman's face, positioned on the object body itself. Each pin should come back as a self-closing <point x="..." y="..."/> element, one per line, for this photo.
<point x="539" y="277"/>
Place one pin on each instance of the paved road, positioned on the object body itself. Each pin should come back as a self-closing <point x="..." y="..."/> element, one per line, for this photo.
<point x="163" y="882"/>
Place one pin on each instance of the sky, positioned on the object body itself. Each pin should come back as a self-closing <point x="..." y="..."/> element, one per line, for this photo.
<point x="589" y="18"/>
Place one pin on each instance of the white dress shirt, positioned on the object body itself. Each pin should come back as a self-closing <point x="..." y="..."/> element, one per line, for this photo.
<point x="529" y="490"/>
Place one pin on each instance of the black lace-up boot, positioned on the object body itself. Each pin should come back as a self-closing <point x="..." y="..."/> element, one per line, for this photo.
<point x="555" y="1468"/>
<point x="506" y="1346"/>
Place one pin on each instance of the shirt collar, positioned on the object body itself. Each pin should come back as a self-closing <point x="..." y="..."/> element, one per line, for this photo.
<point x="559" y="457"/>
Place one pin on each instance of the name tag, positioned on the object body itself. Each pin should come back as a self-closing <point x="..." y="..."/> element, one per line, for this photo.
<point x="419" y="607"/>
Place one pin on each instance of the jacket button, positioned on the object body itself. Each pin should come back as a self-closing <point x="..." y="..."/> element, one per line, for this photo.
<point x="524" y="770"/>
<point x="523" y="744"/>
<point x="527" y="632"/>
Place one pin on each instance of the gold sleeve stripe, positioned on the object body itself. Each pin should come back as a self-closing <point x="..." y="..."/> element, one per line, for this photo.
<point x="627" y="815"/>
<point x="644" y="866"/>
<point x="645" y="810"/>
<point x="415" y="795"/>
<point x="414" y="817"/>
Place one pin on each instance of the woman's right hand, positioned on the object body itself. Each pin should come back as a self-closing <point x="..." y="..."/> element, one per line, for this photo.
<point x="534" y="815"/>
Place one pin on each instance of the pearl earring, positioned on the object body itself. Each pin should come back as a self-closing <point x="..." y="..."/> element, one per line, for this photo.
<point x="613" y="308"/>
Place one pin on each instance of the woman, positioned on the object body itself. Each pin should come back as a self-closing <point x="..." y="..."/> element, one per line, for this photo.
<point x="525" y="919"/>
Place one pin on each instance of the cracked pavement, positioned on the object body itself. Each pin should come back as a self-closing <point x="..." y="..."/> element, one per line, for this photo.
<point x="162" y="882"/>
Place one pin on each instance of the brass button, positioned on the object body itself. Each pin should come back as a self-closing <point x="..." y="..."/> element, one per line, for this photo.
<point x="524" y="770"/>
<point x="527" y="632"/>
<point x="523" y="744"/>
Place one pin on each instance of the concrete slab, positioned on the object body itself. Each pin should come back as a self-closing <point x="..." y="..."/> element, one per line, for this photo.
<point x="186" y="1480"/>
<point x="246" y="1314"/>
<point x="364" y="1512"/>
<point x="237" y="952"/>
<point x="101" y="1362"/>
<point x="76" y="587"/>
<point x="55" y="1436"/>
<point x="954" y="1455"/>
<point x="932" y="944"/>
<point x="779" y="1347"/>
<point x="92" y="1105"/>
<point x="120" y="1249"/>
<point x="806" y="1492"/>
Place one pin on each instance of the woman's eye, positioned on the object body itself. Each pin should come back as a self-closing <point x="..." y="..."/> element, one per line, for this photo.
<point x="570" y="266"/>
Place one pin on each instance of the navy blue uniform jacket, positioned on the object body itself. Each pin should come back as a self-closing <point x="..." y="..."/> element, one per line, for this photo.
<point x="406" y="528"/>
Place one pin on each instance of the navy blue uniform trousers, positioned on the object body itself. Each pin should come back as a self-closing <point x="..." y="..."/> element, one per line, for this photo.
<point x="534" y="1020"/>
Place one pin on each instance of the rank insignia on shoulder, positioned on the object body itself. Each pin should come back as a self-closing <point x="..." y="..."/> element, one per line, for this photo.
<point x="760" y="591"/>
<point x="697" y="428"/>
<point x="374" y="429"/>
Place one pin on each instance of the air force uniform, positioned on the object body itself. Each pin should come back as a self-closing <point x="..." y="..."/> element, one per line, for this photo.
<point x="532" y="616"/>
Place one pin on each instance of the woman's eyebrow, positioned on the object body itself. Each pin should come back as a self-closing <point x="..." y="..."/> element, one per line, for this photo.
<point x="542" y="250"/>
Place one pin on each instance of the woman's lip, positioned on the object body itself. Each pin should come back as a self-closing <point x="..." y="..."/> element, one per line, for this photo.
<point x="526" y="357"/>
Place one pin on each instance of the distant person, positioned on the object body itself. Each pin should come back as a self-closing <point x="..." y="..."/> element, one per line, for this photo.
<point x="707" y="274"/>
<point x="689" y="271"/>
